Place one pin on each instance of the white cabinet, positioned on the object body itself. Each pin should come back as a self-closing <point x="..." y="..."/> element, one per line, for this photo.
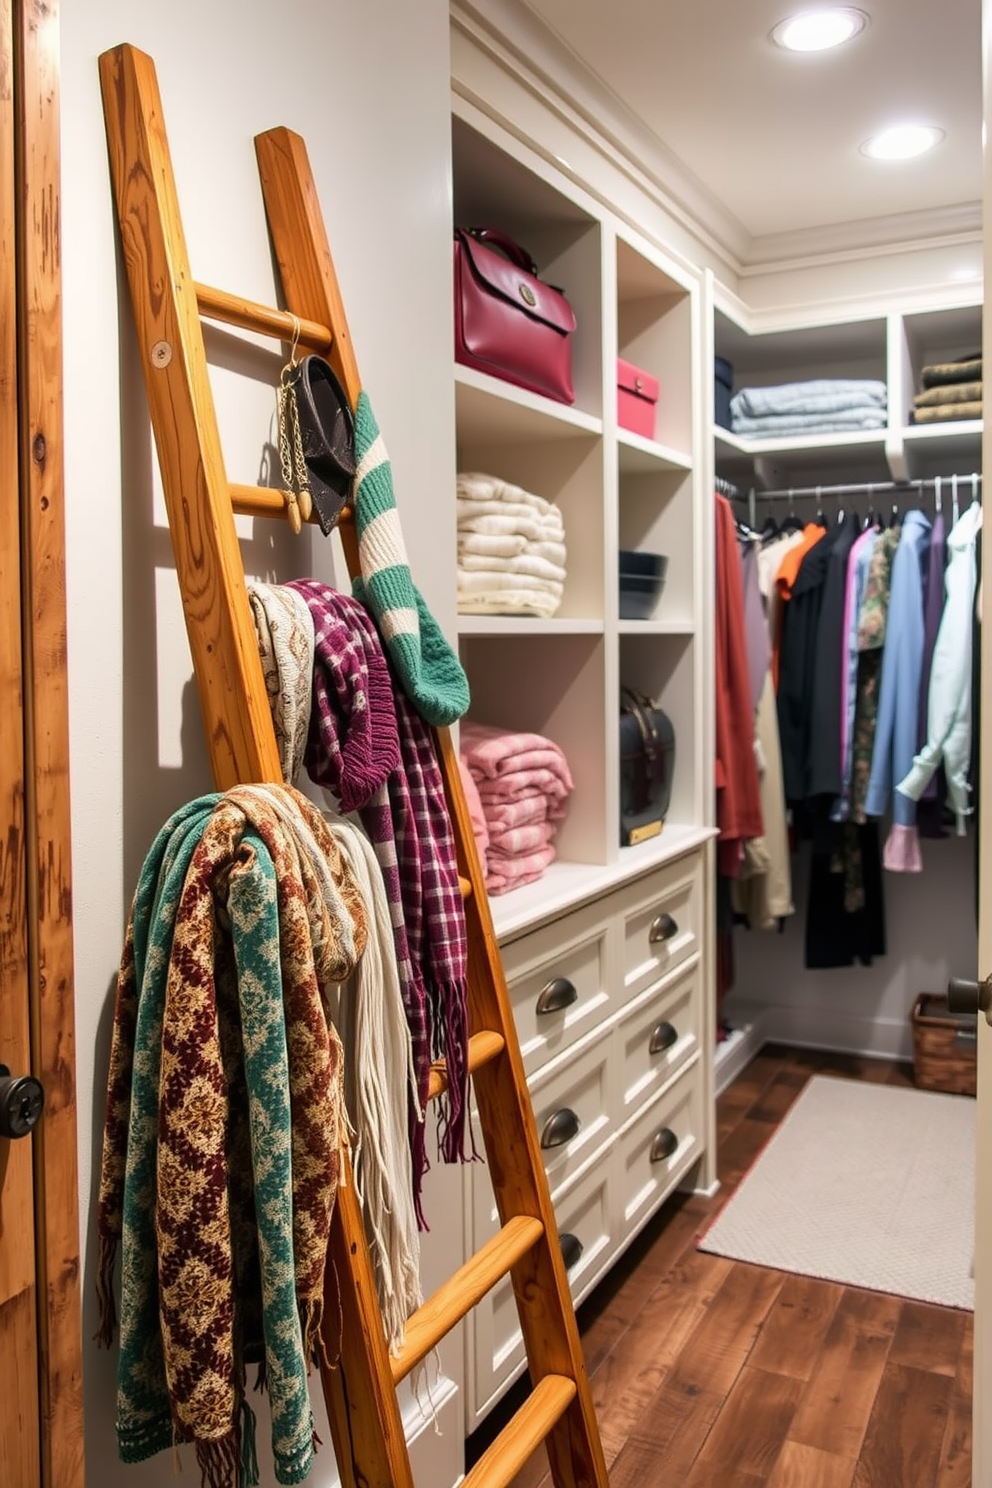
<point x="607" y="957"/>
<point x="619" y="1083"/>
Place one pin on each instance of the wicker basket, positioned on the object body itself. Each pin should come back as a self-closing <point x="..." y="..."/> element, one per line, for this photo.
<point x="944" y="1046"/>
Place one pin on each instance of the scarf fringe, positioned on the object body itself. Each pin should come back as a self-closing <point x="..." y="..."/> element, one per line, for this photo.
<point x="249" y="1452"/>
<point x="453" y="1123"/>
<point x="311" y="1321"/>
<point x="220" y="1461"/>
<point x="106" y="1306"/>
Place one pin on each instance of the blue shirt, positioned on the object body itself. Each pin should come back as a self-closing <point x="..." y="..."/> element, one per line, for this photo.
<point x="902" y="666"/>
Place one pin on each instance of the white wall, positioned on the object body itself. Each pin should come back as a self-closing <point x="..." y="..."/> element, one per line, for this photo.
<point x="368" y="88"/>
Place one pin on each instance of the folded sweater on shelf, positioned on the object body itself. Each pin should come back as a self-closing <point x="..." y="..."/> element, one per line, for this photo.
<point x="946" y="413"/>
<point x="477" y="487"/>
<point x="529" y="565"/>
<point x="818" y="395"/>
<point x="784" y="425"/>
<point x="517" y="840"/>
<point x="940" y="374"/>
<point x="496" y="518"/>
<point x="493" y="753"/>
<point x="512" y="545"/>
<point x="950" y="392"/>
<point x="533" y="805"/>
<point x="513" y="873"/>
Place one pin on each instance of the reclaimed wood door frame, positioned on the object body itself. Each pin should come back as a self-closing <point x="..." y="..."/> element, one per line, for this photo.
<point x="41" y="1418"/>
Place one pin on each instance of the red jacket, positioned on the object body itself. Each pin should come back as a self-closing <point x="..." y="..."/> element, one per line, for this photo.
<point x="738" y="802"/>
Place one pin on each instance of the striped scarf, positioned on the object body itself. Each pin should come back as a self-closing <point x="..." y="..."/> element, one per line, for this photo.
<point x="429" y="672"/>
<point x="388" y="771"/>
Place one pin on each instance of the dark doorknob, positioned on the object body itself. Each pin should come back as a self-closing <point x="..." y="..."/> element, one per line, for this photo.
<point x="970" y="997"/>
<point x="22" y="1101"/>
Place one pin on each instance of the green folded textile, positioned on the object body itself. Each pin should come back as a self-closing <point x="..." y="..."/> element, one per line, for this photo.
<point x="968" y="369"/>
<point x="953" y="392"/>
<point x="946" y="413"/>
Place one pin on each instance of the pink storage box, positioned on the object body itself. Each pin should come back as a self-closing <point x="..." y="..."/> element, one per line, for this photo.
<point x="637" y="399"/>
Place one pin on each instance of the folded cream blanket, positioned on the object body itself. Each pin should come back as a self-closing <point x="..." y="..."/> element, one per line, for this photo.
<point x="539" y="602"/>
<point x="471" y="486"/>
<point x="497" y="517"/>
<point x="510" y="546"/>
<point x="527" y="564"/>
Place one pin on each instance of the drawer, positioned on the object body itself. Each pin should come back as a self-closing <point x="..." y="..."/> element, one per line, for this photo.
<point x="559" y="985"/>
<point x="657" y="1036"/>
<point x="657" y="1148"/>
<point x="495" y="1347"/>
<point x="579" y="1098"/>
<point x="662" y="922"/>
<point x="583" y="1090"/>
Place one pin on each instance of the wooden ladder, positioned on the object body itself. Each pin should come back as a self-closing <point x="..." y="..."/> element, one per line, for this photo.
<point x="361" y="1392"/>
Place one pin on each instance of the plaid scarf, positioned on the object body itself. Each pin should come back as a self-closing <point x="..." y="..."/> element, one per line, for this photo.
<point x="397" y="789"/>
<point x="223" y="1131"/>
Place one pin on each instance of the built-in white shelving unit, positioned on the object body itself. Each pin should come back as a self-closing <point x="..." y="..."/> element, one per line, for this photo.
<point x="628" y="928"/>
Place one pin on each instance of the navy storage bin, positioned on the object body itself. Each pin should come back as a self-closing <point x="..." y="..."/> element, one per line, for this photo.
<point x="724" y="388"/>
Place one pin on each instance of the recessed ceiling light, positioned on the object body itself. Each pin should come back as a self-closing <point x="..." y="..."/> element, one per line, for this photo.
<point x="818" y="30"/>
<point x="902" y="142"/>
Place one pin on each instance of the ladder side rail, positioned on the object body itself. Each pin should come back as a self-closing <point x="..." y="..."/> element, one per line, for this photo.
<point x="233" y="700"/>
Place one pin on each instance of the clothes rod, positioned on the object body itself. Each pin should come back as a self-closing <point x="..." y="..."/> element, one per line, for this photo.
<point x="971" y="485"/>
<point x="860" y="488"/>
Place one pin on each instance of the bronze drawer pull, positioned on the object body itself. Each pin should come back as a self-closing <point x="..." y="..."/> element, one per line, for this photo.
<point x="662" y="1038"/>
<point x="664" y="1144"/>
<point x="571" y="1250"/>
<point x="560" y="1127"/>
<point x="662" y="929"/>
<point x="559" y="993"/>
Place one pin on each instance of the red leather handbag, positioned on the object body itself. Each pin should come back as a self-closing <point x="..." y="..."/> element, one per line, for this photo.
<point x="508" y="322"/>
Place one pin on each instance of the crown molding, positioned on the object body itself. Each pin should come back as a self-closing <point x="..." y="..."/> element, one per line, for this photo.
<point x="519" y="41"/>
<point x="516" y="38"/>
<point x="870" y="237"/>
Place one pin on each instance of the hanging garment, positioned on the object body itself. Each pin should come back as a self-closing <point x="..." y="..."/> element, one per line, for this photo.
<point x="785" y="578"/>
<point x="763" y="896"/>
<point x="759" y="654"/>
<point x="858" y="566"/>
<point x="898" y="702"/>
<point x="224" y="1125"/>
<point x="871" y="639"/>
<point x="824" y="775"/>
<point x="837" y="935"/>
<point x="797" y="664"/>
<point x="738" y="800"/>
<point x="949" y="705"/>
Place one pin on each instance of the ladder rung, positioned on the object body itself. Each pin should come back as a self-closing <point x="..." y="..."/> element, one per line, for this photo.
<point x="459" y="1294"/>
<point x="482" y="1047"/>
<point x="523" y="1433"/>
<point x="217" y="304"/>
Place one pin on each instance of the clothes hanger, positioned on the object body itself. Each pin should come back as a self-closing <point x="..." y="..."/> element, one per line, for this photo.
<point x="821" y="519"/>
<point x="954" y="500"/>
<point x="792" y="523"/>
<point x="974" y="488"/>
<point x="937" y="496"/>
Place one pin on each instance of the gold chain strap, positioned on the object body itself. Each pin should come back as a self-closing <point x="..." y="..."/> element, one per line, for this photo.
<point x="295" y="477"/>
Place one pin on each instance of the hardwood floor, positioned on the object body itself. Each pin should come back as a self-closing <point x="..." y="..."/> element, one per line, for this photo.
<point x="709" y="1373"/>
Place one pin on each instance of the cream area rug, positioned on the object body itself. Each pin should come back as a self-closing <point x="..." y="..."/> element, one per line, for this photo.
<point x="869" y="1185"/>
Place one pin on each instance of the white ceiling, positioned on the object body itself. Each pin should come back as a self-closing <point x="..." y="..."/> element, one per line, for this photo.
<point x="775" y="136"/>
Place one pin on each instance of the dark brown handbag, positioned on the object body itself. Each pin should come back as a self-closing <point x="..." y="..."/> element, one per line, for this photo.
<point x="647" y="765"/>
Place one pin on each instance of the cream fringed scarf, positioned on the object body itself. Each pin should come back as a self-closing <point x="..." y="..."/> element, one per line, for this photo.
<point x="224" y="1126"/>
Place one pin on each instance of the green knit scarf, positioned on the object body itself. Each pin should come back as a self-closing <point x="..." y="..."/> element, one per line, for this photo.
<point x="222" y="1139"/>
<point x="428" y="670"/>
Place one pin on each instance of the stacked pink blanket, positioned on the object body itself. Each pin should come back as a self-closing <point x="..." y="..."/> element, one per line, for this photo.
<point x="523" y="784"/>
